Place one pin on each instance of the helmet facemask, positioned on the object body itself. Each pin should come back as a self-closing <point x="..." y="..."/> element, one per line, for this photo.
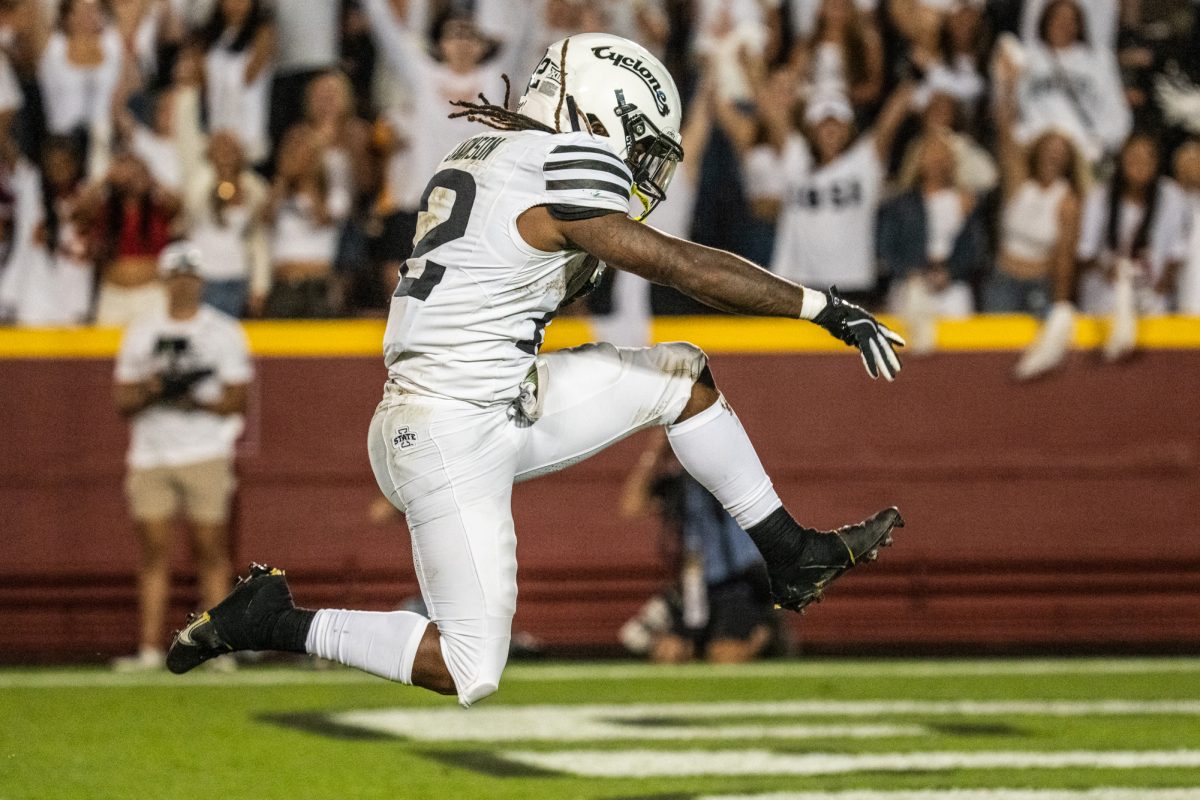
<point x="651" y="154"/>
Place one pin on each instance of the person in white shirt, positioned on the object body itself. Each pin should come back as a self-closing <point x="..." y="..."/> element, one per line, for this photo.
<point x="845" y="55"/>
<point x="1131" y="244"/>
<point x="1187" y="173"/>
<point x="1069" y="84"/>
<point x="460" y="74"/>
<point x="79" y="68"/>
<point x="181" y="379"/>
<point x="308" y="35"/>
<point x="306" y="212"/>
<point x="239" y="48"/>
<point x="34" y="289"/>
<point x="824" y="189"/>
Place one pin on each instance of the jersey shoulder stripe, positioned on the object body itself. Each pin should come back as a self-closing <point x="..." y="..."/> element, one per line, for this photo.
<point x="590" y="184"/>
<point x="588" y="151"/>
<point x="583" y="178"/>
<point x="589" y="164"/>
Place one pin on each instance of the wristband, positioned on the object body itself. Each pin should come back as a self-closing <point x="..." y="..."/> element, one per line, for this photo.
<point x="814" y="303"/>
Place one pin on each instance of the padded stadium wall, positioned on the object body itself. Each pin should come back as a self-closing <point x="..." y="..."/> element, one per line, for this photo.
<point x="1057" y="516"/>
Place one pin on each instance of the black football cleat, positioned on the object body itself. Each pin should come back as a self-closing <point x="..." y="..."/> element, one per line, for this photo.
<point x="244" y="620"/>
<point x="820" y="557"/>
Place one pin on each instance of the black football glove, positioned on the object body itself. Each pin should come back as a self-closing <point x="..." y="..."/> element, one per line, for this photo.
<point x="857" y="328"/>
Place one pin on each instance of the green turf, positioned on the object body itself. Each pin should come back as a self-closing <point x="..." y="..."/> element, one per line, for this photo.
<point x="210" y="736"/>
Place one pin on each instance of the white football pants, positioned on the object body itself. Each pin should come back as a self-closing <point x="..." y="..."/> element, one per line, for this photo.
<point x="450" y="467"/>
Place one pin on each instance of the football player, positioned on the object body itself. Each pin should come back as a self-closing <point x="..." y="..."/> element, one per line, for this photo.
<point x="516" y="222"/>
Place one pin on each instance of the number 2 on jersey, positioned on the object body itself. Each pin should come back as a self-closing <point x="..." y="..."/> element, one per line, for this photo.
<point x="418" y="283"/>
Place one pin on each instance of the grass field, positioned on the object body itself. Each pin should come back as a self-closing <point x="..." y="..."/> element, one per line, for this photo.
<point x="852" y="730"/>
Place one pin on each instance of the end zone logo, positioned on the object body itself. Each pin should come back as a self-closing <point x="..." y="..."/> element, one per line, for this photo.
<point x="636" y="66"/>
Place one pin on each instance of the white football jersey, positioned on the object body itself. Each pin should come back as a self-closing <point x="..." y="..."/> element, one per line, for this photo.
<point x="473" y="302"/>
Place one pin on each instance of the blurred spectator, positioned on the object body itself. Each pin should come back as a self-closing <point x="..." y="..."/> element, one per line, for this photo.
<point x="149" y="30"/>
<point x="79" y="68"/>
<point x="224" y="208"/>
<point x="845" y="55"/>
<point x="1066" y="82"/>
<point x="419" y="141"/>
<point x="1187" y="173"/>
<point x="1131" y="244"/>
<point x="1044" y="185"/>
<point x="825" y="198"/>
<point x="307" y="38"/>
<point x="1098" y="19"/>
<point x="731" y="36"/>
<point x="721" y="607"/>
<point x="224" y="204"/>
<point x="954" y="68"/>
<point x="155" y="145"/>
<point x="131" y="220"/>
<point x="61" y="230"/>
<point x="779" y="87"/>
<point x="238" y="44"/>
<point x="181" y="379"/>
<point x="42" y="282"/>
<point x="932" y="243"/>
<point x="306" y="212"/>
<point x="942" y="115"/>
<point x="804" y="14"/>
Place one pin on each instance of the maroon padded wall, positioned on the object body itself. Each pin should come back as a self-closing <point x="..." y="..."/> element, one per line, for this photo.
<point x="1056" y="516"/>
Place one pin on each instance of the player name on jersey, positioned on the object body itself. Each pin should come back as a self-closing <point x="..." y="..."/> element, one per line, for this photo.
<point x="475" y="149"/>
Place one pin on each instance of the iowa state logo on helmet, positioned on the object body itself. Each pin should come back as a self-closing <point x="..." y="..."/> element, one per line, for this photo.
<point x="636" y="66"/>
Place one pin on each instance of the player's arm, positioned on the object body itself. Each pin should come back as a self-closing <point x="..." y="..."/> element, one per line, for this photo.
<point x="714" y="277"/>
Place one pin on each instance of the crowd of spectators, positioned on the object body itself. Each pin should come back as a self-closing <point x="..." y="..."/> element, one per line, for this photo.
<point x="930" y="157"/>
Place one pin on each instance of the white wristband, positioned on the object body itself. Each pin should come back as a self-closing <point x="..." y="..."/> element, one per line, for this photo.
<point x="813" y="303"/>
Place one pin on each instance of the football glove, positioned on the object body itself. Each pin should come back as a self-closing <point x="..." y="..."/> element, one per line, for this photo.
<point x="851" y="324"/>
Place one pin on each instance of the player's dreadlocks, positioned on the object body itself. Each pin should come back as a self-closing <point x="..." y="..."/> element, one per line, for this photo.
<point x="501" y="118"/>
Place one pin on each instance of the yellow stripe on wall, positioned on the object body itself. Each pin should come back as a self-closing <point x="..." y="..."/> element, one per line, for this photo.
<point x="717" y="334"/>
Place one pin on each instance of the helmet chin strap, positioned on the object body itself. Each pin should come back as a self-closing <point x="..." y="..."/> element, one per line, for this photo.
<point x="647" y="205"/>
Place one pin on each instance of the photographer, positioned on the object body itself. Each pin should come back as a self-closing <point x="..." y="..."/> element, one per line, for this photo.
<point x="181" y="379"/>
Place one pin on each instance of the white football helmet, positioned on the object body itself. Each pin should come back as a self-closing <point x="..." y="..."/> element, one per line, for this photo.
<point x="615" y="88"/>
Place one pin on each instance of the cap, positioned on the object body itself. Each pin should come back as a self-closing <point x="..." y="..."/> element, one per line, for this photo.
<point x="179" y="258"/>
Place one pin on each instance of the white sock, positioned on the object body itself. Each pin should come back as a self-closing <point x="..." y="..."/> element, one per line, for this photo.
<point x="383" y="643"/>
<point x="714" y="448"/>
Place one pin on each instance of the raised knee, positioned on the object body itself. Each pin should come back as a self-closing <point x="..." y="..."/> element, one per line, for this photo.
<point x="476" y="692"/>
<point x="681" y="358"/>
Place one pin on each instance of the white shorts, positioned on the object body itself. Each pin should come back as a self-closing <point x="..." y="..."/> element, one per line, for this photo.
<point x="450" y="467"/>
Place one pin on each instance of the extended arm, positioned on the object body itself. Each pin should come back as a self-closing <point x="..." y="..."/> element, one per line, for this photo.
<point x="396" y="41"/>
<point x="714" y="277"/>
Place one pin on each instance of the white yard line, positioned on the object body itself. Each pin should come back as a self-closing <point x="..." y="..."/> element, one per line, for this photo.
<point x="590" y="672"/>
<point x="1104" y="793"/>
<point x="855" y="669"/>
<point x="683" y="721"/>
<point x="644" y="722"/>
<point x="726" y="763"/>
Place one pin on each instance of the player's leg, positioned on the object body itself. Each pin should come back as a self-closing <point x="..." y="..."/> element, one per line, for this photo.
<point x="711" y="444"/>
<point x="595" y="395"/>
<point x="450" y="468"/>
